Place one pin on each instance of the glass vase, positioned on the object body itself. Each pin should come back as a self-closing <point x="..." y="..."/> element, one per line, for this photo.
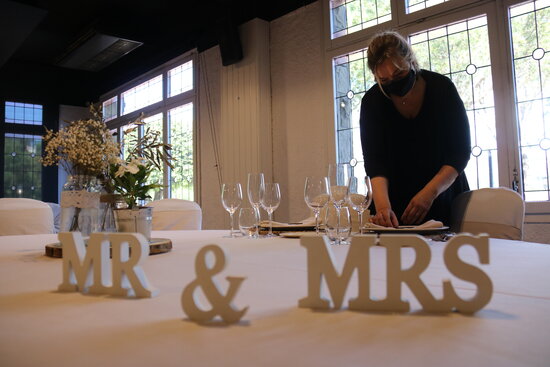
<point x="80" y="205"/>
<point x="137" y="220"/>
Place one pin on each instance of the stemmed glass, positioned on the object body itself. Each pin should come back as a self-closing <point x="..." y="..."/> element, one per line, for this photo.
<point x="249" y="222"/>
<point x="316" y="195"/>
<point x="270" y="199"/>
<point x="338" y="177"/>
<point x="254" y="188"/>
<point x="360" y="197"/>
<point x="232" y="196"/>
<point x="338" y="225"/>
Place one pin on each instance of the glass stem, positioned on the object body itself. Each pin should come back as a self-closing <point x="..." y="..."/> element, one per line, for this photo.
<point x="360" y="222"/>
<point x="270" y="223"/>
<point x="316" y="212"/>
<point x="231" y="220"/>
<point x="337" y="225"/>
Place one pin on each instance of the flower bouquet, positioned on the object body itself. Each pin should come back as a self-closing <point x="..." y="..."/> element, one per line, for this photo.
<point x="130" y="177"/>
<point x="85" y="149"/>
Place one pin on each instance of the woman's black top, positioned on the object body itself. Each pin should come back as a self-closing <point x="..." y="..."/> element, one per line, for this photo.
<point x="409" y="152"/>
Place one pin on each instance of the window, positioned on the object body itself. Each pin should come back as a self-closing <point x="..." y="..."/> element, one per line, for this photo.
<point x="180" y="120"/>
<point x="416" y="5"/>
<point x="180" y="79"/>
<point x="173" y="114"/>
<point x="349" y="16"/>
<point x="510" y="144"/>
<point x="23" y="113"/>
<point x="461" y="52"/>
<point x="22" y="175"/>
<point x="142" y="95"/>
<point x="110" y="109"/>
<point x="530" y="29"/>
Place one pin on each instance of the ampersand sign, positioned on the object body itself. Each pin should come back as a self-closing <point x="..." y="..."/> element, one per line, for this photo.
<point x="221" y="304"/>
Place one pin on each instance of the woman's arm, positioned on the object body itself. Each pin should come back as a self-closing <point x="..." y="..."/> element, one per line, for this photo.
<point x="421" y="203"/>
<point x="384" y="214"/>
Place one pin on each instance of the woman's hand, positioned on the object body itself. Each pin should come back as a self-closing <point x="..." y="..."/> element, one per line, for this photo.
<point x="418" y="207"/>
<point x="385" y="217"/>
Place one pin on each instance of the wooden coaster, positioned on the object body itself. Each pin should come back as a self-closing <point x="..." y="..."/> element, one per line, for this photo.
<point x="156" y="246"/>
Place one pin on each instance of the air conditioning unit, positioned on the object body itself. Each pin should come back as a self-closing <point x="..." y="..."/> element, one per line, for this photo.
<point x="94" y="51"/>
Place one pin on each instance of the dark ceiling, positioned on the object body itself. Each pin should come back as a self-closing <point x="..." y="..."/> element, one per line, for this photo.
<point x="36" y="34"/>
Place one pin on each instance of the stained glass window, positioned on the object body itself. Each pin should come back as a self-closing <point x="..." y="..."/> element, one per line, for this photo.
<point x="180" y="120"/>
<point x="352" y="79"/>
<point x="416" y="5"/>
<point x="461" y="52"/>
<point x="180" y="79"/>
<point x="530" y="28"/>
<point x="155" y="123"/>
<point x="348" y="16"/>
<point x="23" y="113"/>
<point x="142" y="95"/>
<point x="22" y="166"/>
<point x="110" y="109"/>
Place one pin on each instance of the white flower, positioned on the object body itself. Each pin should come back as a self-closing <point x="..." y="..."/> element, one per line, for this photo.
<point x="132" y="168"/>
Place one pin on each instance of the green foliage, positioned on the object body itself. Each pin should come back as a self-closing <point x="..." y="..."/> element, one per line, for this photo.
<point x="132" y="186"/>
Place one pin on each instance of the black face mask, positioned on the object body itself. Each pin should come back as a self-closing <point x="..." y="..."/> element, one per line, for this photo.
<point x="402" y="86"/>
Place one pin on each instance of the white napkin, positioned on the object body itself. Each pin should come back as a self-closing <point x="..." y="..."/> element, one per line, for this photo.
<point x="426" y="225"/>
<point x="304" y="223"/>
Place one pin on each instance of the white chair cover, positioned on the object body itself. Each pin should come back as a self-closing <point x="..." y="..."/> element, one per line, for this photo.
<point x="498" y="212"/>
<point x="25" y="216"/>
<point x="56" y="209"/>
<point x="173" y="214"/>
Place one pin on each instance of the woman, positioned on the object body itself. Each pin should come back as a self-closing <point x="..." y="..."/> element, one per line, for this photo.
<point x="415" y="136"/>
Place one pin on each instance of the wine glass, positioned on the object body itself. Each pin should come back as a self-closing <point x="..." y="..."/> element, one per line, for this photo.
<point x="338" y="224"/>
<point x="232" y="196"/>
<point x="360" y="197"/>
<point x="338" y="178"/>
<point x="249" y="222"/>
<point x="254" y="188"/>
<point x="270" y="199"/>
<point x="316" y="195"/>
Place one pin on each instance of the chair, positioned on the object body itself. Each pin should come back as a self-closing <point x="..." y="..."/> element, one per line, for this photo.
<point x="56" y="209"/>
<point x="172" y="214"/>
<point x="25" y="216"/>
<point x="498" y="212"/>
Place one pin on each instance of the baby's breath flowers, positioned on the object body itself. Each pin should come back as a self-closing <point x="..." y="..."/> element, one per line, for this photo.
<point x="87" y="147"/>
<point x="83" y="147"/>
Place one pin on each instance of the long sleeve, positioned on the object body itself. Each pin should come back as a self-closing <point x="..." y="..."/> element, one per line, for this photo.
<point x="373" y="137"/>
<point x="456" y="134"/>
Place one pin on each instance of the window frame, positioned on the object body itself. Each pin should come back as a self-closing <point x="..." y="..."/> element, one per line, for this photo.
<point x="50" y="120"/>
<point x="163" y="106"/>
<point x="506" y="122"/>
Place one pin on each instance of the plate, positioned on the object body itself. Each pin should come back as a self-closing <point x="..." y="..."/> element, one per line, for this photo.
<point x="407" y="229"/>
<point x="296" y="234"/>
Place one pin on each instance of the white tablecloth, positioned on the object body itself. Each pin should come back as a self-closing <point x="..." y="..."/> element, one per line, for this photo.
<point x="42" y="327"/>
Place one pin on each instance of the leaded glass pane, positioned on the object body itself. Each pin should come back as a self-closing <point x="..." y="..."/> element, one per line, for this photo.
<point x="130" y="135"/>
<point x="110" y="109"/>
<point x="348" y="16"/>
<point x="22" y="166"/>
<point x="180" y="79"/>
<point x="352" y="79"/>
<point x="143" y="95"/>
<point x="23" y="113"/>
<point x="416" y="5"/>
<point x="180" y="121"/>
<point x="530" y="47"/>
<point x="155" y="124"/>
<point x="461" y="52"/>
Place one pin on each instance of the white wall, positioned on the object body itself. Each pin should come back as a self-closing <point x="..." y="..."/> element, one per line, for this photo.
<point x="295" y="136"/>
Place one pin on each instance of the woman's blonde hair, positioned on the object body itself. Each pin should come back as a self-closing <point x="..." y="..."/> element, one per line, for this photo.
<point x="390" y="45"/>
